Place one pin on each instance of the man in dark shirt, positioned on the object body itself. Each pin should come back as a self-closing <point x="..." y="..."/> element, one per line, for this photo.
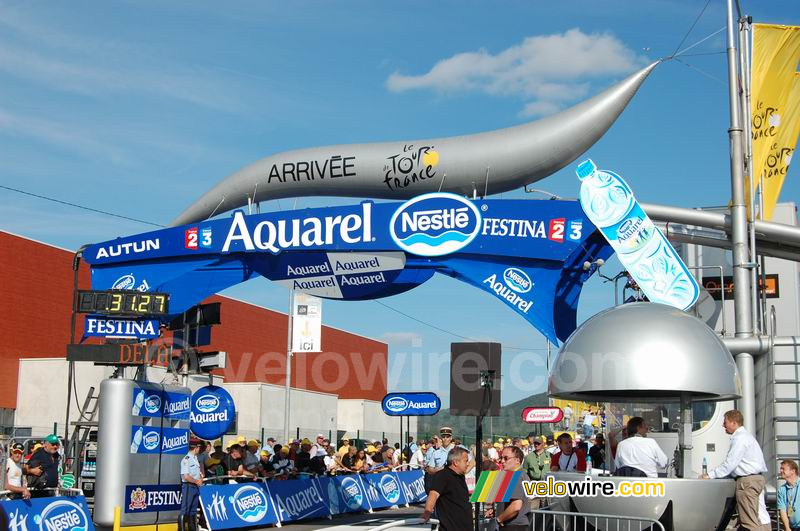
<point x="449" y="494"/>
<point x="43" y="464"/>
<point x="233" y="463"/>
<point x="598" y="451"/>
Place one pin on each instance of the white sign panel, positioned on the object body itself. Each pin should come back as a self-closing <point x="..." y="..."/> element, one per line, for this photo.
<point x="306" y="323"/>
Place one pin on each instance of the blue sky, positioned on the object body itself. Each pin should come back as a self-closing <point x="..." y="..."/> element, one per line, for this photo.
<point x="139" y="108"/>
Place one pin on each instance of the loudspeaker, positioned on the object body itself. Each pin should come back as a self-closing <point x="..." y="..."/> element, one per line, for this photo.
<point x="467" y="361"/>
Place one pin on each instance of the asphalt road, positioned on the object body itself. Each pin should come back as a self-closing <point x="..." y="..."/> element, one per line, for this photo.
<point x="360" y="522"/>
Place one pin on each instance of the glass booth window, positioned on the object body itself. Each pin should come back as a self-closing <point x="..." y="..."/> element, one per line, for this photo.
<point x="664" y="417"/>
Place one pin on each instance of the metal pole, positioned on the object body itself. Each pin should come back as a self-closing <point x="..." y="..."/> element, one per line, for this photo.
<point x="741" y="274"/>
<point x="288" y="389"/>
<point x="478" y="463"/>
<point x="744" y="69"/>
<point x="76" y="262"/>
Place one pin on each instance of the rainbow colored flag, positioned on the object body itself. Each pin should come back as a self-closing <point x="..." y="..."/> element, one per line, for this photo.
<point x="495" y="486"/>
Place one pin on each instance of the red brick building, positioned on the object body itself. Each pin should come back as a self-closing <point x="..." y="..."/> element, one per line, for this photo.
<point x="36" y="281"/>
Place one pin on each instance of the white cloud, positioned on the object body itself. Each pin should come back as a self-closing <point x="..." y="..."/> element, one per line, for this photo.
<point x="545" y="71"/>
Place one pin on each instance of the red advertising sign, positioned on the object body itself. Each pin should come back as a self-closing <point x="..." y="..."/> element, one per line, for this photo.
<point x="542" y="415"/>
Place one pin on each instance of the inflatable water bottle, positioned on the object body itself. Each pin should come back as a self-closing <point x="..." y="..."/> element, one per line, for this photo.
<point x="642" y="249"/>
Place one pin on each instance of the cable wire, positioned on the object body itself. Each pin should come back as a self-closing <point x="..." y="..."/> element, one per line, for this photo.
<point x="75" y="205"/>
<point x="696" y="20"/>
<point x="429" y="325"/>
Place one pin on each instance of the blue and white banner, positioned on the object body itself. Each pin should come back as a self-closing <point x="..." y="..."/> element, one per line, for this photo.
<point x="46" y="514"/>
<point x="298" y="499"/>
<point x="148" y="401"/>
<point x="157" y="440"/>
<point x="239" y="505"/>
<point x="153" y="402"/>
<point x="121" y="328"/>
<point x="213" y="412"/>
<point x="383" y="490"/>
<point x="413" y="484"/>
<point x="150" y="498"/>
<point x="529" y="254"/>
<point x="411" y="404"/>
<point x="351" y="494"/>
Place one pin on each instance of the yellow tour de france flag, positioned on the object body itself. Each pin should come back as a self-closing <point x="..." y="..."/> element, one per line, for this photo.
<point x="776" y="52"/>
<point x="779" y="154"/>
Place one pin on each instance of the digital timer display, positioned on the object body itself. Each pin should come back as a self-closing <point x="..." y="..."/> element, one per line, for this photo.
<point x="123" y="302"/>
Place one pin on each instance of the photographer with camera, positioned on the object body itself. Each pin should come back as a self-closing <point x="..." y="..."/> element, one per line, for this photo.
<point x="42" y="468"/>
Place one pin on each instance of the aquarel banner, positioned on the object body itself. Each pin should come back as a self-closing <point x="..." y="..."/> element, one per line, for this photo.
<point x="526" y="253"/>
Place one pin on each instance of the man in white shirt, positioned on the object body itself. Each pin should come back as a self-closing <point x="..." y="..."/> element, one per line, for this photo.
<point x="745" y="463"/>
<point x="639" y="453"/>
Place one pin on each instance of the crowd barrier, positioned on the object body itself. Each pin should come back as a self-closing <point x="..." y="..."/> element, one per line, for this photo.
<point x="54" y="513"/>
<point x="261" y="503"/>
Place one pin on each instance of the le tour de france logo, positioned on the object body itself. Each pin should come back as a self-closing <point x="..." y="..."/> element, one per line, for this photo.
<point x="435" y="224"/>
<point x="61" y="515"/>
<point x="250" y="504"/>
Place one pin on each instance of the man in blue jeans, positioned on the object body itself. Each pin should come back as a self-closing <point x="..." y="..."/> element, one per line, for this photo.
<point x="788" y="504"/>
<point x="191" y="480"/>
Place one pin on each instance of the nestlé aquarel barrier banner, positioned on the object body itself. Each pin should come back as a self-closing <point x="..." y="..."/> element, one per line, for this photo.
<point x="264" y="503"/>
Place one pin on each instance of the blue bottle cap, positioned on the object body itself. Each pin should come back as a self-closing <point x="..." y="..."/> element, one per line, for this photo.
<point x="586" y="169"/>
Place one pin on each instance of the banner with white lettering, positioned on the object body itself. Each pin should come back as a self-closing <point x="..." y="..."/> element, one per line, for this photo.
<point x="527" y="253"/>
<point x="413" y="485"/>
<point x="238" y="505"/>
<point x="46" y="514"/>
<point x="150" y="498"/>
<point x="306" y="323"/>
<point x="298" y="499"/>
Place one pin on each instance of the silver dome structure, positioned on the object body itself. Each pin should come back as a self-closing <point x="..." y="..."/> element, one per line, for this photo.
<point x="644" y="352"/>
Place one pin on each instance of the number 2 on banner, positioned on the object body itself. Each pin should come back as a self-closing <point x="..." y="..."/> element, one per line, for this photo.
<point x="557" y="229"/>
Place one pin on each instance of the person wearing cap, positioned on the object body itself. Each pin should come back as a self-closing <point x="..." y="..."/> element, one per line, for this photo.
<point x="43" y="465"/>
<point x="15" y="480"/>
<point x="281" y="464"/>
<point x="418" y="458"/>
<point x="250" y="457"/>
<point x="268" y="447"/>
<point x="318" y="448"/>
<point x="191" y="480"/>
<point x="344" y="449"/>
<point x="234" y="462"/>
<point x="435" y="461"/>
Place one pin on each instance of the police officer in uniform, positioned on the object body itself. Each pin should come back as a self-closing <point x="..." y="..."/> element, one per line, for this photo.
<point x="191" y="479"/>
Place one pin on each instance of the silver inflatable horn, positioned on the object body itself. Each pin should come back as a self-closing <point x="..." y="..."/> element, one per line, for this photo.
<point x="483" y="164"/>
